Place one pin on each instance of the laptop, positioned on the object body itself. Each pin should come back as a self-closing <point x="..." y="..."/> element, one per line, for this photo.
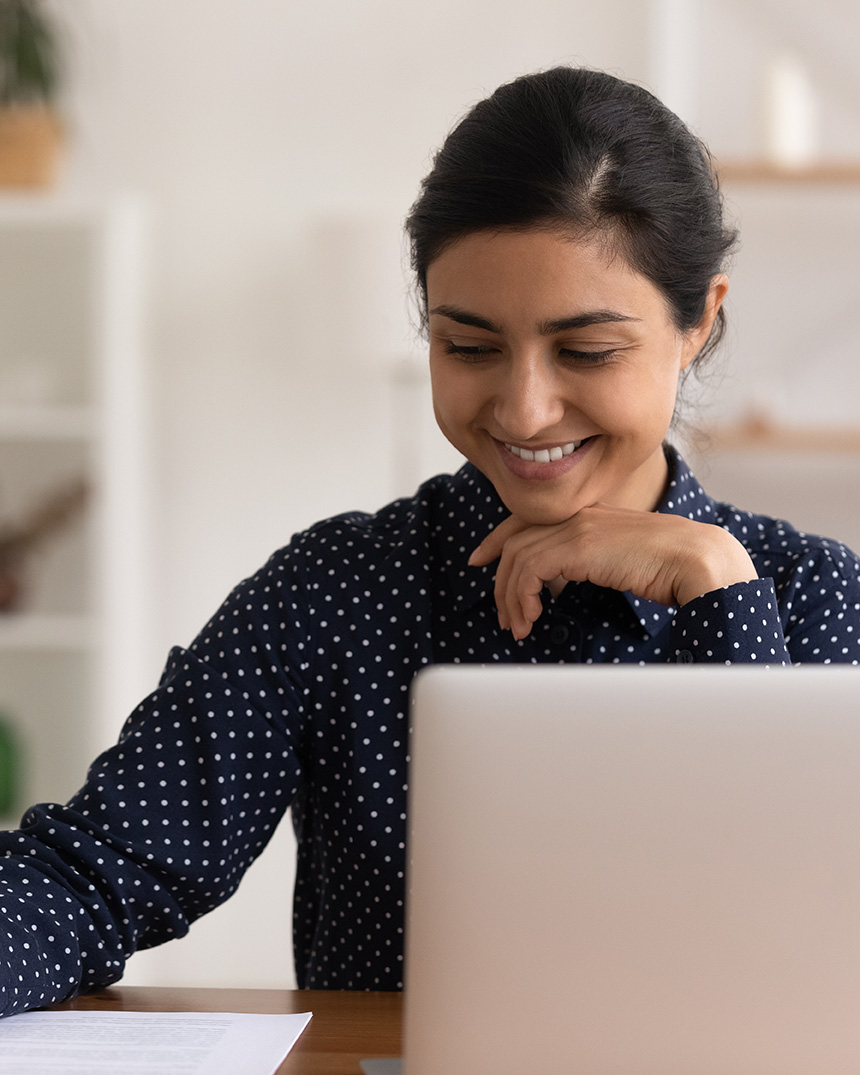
<point x="634" y="871"/>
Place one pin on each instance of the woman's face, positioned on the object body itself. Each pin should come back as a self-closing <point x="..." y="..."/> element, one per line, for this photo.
<point x="555" y="368"/>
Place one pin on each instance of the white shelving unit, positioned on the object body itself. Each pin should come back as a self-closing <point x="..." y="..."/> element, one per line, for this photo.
<point x="800" y="468"/>
<point x="72" y="407"/>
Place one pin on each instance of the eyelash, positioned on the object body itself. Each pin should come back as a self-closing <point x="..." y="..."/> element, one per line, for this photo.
<point x="476" y="353"/>
<point x="593" y="358"/>
<point x="468" y="353"/>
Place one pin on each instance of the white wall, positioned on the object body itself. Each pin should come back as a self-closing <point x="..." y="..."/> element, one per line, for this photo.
<point x="280" y="146"/>
<point x="796" y="281"/>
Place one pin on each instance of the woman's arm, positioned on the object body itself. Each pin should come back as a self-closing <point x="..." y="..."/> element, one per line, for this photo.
<point x="168" y="820"/>
<point x="793" y="599"/>
<point x="663" y="558"/>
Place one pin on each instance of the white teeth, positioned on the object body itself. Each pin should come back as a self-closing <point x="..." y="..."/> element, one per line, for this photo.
<point x="545" y="455"/>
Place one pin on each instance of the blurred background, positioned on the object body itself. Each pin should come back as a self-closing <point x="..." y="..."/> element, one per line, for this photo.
<point x="205" y="330"/>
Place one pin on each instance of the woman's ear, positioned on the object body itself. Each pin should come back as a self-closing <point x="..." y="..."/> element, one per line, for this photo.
<point x="697" y="337"/>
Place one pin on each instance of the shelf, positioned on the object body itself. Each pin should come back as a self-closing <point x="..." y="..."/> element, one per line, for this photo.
<point x="822" y="173"/>
<point x="45" y="209"/>
<point x="46" y="631"/>
<point x="71" y="369"/>
<point x="47" y="423"/>
<point x="769" y="437"/>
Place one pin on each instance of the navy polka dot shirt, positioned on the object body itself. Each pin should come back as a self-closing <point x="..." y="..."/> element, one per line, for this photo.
<point x="295" y="695"/>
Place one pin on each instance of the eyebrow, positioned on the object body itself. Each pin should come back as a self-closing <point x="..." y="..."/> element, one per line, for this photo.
<point x="545" y="328"/>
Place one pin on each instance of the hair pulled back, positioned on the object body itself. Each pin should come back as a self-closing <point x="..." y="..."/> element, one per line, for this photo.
<point x="594" y="157"/>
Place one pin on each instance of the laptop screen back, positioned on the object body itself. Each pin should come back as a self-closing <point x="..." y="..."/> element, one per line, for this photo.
<point x="634" y="871"/>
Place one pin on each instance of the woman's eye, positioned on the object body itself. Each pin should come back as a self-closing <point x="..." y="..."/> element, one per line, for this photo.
<point x="593" y="358"/>
<point x="470" y="352"/>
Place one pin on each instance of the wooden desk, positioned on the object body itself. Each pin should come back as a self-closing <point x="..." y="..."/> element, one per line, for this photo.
<point x="346" y="1027"/>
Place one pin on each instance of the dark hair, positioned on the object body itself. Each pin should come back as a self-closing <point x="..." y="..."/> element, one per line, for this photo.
<point x="592" y="155"/>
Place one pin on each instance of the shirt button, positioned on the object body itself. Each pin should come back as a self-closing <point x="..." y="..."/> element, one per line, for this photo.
<point x="559" y="634"/>
<point x="684" y="657"/>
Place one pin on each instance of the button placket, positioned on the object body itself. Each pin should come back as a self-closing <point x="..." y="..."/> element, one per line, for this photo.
<point x="559" y="633"/>
<point x="564" y="639"/>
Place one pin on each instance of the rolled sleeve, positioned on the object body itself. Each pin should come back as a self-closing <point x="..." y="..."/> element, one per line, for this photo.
<point x="736" y="624"/>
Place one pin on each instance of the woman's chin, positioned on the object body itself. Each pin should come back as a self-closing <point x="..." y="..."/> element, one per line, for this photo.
<point x="540" y="507"/>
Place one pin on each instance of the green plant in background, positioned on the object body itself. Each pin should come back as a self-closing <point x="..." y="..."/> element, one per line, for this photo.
<point x="10" y="771"/>
<point x="29" y="54"/>
<point x="31" y="131"/>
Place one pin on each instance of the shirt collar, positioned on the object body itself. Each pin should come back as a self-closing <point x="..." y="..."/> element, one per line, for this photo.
<point x="469" y="508"/>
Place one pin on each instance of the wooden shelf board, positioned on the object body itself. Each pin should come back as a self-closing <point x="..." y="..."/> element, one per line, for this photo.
<point x="47" y="423"/>
<point x="775" y="438"/>
<point x="763" y="171"/>
<point x="46" y="631"/>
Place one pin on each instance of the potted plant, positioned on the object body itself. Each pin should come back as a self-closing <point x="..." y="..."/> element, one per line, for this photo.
<point x="29" y="81"/>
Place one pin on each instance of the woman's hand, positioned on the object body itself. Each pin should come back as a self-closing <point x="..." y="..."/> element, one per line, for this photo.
<point x="663" y="558"/>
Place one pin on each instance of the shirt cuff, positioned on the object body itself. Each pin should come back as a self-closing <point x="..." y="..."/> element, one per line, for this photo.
<point x="738" y="624"/>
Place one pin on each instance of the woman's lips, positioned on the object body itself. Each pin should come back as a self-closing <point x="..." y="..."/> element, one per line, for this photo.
<point x="543" y="463"/>
<point x="545" y="455"/>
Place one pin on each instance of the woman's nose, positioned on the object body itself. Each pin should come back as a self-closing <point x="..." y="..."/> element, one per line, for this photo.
<point x="529" y="400"/>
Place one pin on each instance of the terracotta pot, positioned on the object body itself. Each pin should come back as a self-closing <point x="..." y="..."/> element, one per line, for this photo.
<point x="30" y="137"/>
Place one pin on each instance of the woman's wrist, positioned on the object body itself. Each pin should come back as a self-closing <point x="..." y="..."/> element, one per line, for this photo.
<point x="717" y="561"/>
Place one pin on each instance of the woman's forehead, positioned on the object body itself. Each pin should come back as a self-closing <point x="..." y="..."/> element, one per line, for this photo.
<point x="545" y="274"/>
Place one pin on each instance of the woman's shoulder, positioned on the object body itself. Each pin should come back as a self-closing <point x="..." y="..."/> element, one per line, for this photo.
<point x="782" y="551"/>
<point x="360" y="538"/>
<point x="776" y="545"/>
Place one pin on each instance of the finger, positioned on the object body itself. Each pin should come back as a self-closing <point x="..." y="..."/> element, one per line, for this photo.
<point x="526" y="566"/>
<point x="491" y="547"/>
<point x="529" y="609"/>
<point x="500" y="589"/>
<point x="525" y="586"/>
<point x="508" y="604"/>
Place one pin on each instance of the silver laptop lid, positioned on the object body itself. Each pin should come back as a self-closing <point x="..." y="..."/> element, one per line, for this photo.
<point x="634" y="871"/>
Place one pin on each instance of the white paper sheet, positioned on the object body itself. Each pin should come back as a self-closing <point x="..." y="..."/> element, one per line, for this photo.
<point x="146" y="1043"/>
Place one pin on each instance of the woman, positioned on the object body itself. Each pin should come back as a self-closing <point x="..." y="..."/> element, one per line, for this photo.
<point x="569" y="250"/>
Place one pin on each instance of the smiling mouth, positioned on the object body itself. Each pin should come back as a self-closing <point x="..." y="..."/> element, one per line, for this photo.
<point x="546" y="455"/>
